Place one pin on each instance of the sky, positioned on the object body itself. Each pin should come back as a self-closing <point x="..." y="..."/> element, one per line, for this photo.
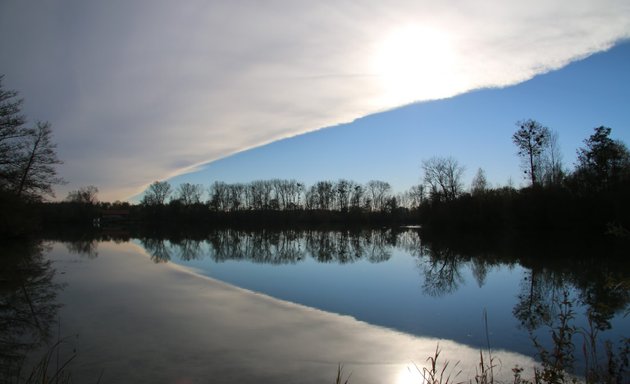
<point x="475" y="128"/>
<point x="138" y="91"/>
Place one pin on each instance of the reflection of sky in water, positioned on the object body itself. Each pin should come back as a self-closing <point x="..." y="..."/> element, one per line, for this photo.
<point x="122" y="301"/>
<point x="138" y="321"/>
<point x="388" y="293"/>
<point x="394" y="293"/>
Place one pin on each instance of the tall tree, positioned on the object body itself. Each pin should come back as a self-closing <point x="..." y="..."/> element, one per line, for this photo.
<point x="479" y="183"/>
<point x="604" y="161"/>
<point x="189" y="194"/>
<point x="157" y="193"/>
<point x="84" y="195"/>
<point x="531" y="138"/>
<point x="552" y="172"/>
<point x="416" y="195"/>
<point x="379" y="192"/>
<point x="12" y="135"/>
<point x="443" y="177"/>
<point x="36" y="169"/>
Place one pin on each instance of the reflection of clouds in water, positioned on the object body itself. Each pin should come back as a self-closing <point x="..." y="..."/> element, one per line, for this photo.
<point x="169" y="321"/>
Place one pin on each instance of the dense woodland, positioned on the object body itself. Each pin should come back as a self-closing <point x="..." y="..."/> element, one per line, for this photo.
<point x="592" y="197"/>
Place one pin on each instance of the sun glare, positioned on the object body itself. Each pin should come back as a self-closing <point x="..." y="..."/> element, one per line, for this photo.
<point x="408" y="375"/>
<point x="415" y="63"/>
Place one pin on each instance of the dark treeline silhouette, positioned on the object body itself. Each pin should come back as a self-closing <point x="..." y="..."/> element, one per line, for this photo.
<point x="593" y="198"/>
<point x="263" y="202"/>
<point x="590" y="199"/>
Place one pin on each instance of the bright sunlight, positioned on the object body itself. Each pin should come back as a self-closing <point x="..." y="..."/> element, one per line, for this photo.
<point x="415" y="63"/>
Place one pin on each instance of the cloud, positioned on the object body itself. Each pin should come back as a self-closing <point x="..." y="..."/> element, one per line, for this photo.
<point x="139" y="91"/>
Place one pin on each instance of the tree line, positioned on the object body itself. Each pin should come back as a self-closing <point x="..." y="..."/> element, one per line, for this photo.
<point x="284" y="195"/>
<point x="592" y="195"/>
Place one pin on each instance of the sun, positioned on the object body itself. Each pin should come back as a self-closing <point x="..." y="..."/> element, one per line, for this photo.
<point x="415" y="63"/>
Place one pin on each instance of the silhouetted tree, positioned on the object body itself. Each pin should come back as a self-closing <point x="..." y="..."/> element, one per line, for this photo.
<point x="479" y="183"/>
<point x="552" y="173"/>
<point x="343" y="188"/>
<point x="531" y="138"/>
<point x="357" y="194"/>
<point x="157" y="193"/>
<point x="219" y="194"/>
<point x="236" y="196"/>
<point x="189" y="194"/>
<point x="443" y="177"/>
<point x="379" y="192"/>
<point x="604" y="161"/>
<point x="12" y="135"/>
<point x="321" y="195"/>
<point x="416" y="196"/>
<point x="84" y="195"/>
<point x="36" y="167"/>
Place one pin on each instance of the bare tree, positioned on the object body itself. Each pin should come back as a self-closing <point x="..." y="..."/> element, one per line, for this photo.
<point x="235" y="196"/>
<point x="84" y="195"/>
<point x="157" y="193"/>
<point x="531" y="139"/>
<point x="552" y="172"/>
<point x="12" y="135"/>
<point x="357" y="195"/>
<point x="37" y="166"/>
<point x="479" y="183"/>
<point x="321" y="195"/>
<point x="28" y="157"/>
<point x="342" y="190"/>
<point x="416" y="196"/>
<point x="379" y="192"/>
<point x="443" y="177"/>
<point x="218" y="193"/>
<point x="189" y="194"/>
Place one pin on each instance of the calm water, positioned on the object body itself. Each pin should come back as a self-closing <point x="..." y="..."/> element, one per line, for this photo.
<point x="391" y="278"/>
<point x="467" y="295"/>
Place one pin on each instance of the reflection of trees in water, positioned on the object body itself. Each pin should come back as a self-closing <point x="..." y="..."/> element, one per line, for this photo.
<point x="601" y="284"/>
<point x="189" y="249"/>
<point x="278" y="247"/>
<point x="536" y="303"/>
<point x="158" y="249"/>
<point x="27" y="303"/>
<point x="87" y="248"/>
<point x="272" y="247"/>
<point x="441" y="270"/>
<point x="606" y="292"/>
<point x="602" y="288"/>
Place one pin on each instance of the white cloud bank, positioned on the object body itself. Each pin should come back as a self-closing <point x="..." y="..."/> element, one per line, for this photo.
<point x="139" y="91"/>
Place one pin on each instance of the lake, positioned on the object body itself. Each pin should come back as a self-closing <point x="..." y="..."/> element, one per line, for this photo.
<point x="291" y="305"/>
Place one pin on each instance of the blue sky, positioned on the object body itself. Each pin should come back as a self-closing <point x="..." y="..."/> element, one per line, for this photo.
<point x="475" y="128"/>
<point x="145" y="90"/>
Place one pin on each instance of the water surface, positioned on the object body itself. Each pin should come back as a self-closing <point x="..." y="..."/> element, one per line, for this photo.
<point x="289" y="306"/>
